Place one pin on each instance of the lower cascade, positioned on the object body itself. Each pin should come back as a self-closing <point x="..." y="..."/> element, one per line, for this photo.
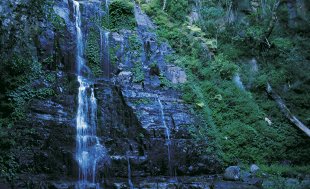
<point x="89" y="150"/>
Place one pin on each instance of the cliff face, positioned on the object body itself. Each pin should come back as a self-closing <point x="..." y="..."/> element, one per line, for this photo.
<point x="142" y="120"/>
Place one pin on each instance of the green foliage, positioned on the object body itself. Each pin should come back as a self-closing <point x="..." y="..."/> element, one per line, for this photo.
<point x="165" y="82"/>
<point x="135" y="44"/>
<point x="19" y="88"/>
<point x="112" y="51"/>
<point x="283" y="44"/>
<point x="211" y="19"/>
<point x="93" y="52"/>
<point x="225" y="68"/>
<point x="57" y="22"/>
<point x="121" y="15"/>
<point x="236" y="118"/>
<point x="138" y="74"/>
<point x="285" y="170"/>
<point x="177" y="9"/>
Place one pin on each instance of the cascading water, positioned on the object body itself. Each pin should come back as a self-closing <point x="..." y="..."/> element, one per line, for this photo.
<point x="79" y="36"/>
<point x="238" y="82"/>
<point x="168" y="141"/>
<point x="89" y="151"/>
<point x="104" y="52"/>
<point x="129" y="174"/>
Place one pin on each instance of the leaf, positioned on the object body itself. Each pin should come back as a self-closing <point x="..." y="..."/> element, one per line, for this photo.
<point x="200" y="104"/>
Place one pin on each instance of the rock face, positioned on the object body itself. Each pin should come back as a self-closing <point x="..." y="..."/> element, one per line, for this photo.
<point x="175" y="74"/>
<point x="142" y="121"/>
<point x="46" y="142"/>
<point x="135" y="114"/>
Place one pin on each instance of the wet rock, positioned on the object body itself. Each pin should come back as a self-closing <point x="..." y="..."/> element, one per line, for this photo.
<point x="233" y="185"/>
<point x="56" y="185"/>
<point x="117" y="37"/>
<point x="155" y="82"/>
<point x="46" y="40"/>
<point x="253" y="181"/>
<point x="232" y="173"/>
<point x="120" y="186"/>
<point x="182" y="118"/>
<point x="245" y="176"/>
<point x="291" y="183"/>
<point x="125" y="77"/>
<point x="142" y="19"/>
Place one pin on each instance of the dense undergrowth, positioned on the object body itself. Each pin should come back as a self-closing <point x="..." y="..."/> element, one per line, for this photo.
<point x="213" y="50"/>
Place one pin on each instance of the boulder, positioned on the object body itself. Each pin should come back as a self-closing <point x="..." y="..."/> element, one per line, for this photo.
<point x="124" y="77"/>
<point x="232" y="173"/>
<point x="175" y="74"/>
<point x="254" y="169"/>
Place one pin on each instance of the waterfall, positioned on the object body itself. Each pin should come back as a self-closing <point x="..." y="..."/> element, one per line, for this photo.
<point x="89" y="151"/>
<point x="107" y="8"/>
<point x="129" y="174"/>
<point x="104" y="52"/>
<point x="79" y="36"/>
<point x="238" y="82"/>
<point x="167" y="133"/>
<point x="253" y="70"/>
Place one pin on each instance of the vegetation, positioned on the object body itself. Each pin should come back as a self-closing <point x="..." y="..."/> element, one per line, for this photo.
<point x="93" y="52"/>
<point x="24" y="76"/>
<point x="215" y="48"/>
<point x="214" y="41"/>
<point x="121" y="15"/>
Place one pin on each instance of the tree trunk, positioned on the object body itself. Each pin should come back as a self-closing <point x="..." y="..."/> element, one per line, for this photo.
<point x="264" y="41"/>
<point x="287" y="113"/>
<point x="165" y="4"/>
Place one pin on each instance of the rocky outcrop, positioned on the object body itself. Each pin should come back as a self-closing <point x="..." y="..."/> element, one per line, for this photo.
<point x="176" y="75"/>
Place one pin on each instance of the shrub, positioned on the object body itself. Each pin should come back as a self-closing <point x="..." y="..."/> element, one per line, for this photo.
<point x="121" y="15"/>
<point x="225" y="68"/>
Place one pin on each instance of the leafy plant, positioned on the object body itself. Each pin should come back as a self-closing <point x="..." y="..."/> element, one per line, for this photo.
<point x="121" y="15"/>
<point x="138" y="73"/>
